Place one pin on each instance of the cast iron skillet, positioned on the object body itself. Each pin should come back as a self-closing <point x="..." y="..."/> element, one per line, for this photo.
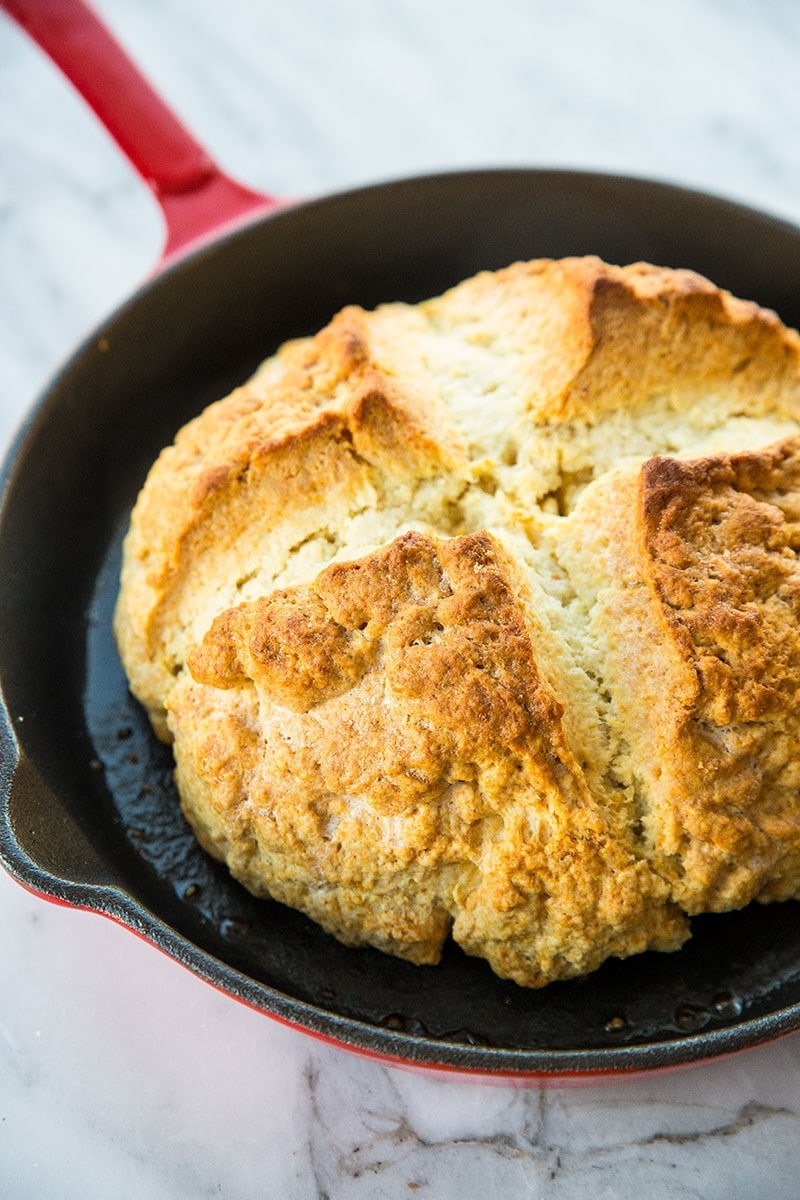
<point x="89" y="812"/>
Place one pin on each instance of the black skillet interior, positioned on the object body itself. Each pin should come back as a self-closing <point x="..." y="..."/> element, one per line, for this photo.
<point x="92" y="814"/>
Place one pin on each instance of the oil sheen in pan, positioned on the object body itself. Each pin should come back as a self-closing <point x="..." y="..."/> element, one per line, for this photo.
<point x="735" y="965"/>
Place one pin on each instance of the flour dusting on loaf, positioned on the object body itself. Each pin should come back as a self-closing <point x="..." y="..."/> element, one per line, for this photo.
<point x="481" y="617"/>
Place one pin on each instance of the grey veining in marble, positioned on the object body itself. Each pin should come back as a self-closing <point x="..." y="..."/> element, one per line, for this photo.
<point x="120" y="1073"/>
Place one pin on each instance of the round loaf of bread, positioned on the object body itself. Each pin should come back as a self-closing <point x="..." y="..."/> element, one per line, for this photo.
<point x="481" y="617"/>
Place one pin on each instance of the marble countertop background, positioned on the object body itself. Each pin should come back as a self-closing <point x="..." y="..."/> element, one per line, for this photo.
<point x="120" y="1074"/>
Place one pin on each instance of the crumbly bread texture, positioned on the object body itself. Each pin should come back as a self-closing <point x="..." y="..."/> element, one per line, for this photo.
<point x="481" y="617"/>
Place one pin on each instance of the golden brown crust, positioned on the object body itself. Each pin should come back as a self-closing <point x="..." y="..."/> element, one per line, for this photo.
<point x="720" y="540"/>
<point x="440" y="616"/>
<point x="657" y="321"/>
<point x="277" y="449"/>
<point x="546" y="736"/>
<point x="584" y="336"/>
<point x="722" y="558"/>
<point x="687" y="582"/>
<point x="424" y="649"/>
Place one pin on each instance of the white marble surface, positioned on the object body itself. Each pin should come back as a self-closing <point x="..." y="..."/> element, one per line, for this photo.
<point x="120" y="1074"/>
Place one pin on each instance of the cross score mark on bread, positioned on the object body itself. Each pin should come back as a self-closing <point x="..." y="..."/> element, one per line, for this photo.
<point x="481" y="616"/>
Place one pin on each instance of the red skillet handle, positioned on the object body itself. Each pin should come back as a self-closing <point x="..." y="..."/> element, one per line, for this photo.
<point x="195" y="196"/>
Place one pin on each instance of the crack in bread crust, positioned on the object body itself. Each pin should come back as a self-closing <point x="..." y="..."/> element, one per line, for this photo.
<point x="447" y="644"/>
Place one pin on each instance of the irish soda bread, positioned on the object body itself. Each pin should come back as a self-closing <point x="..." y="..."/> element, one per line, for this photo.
<point x="481" y="617"/>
